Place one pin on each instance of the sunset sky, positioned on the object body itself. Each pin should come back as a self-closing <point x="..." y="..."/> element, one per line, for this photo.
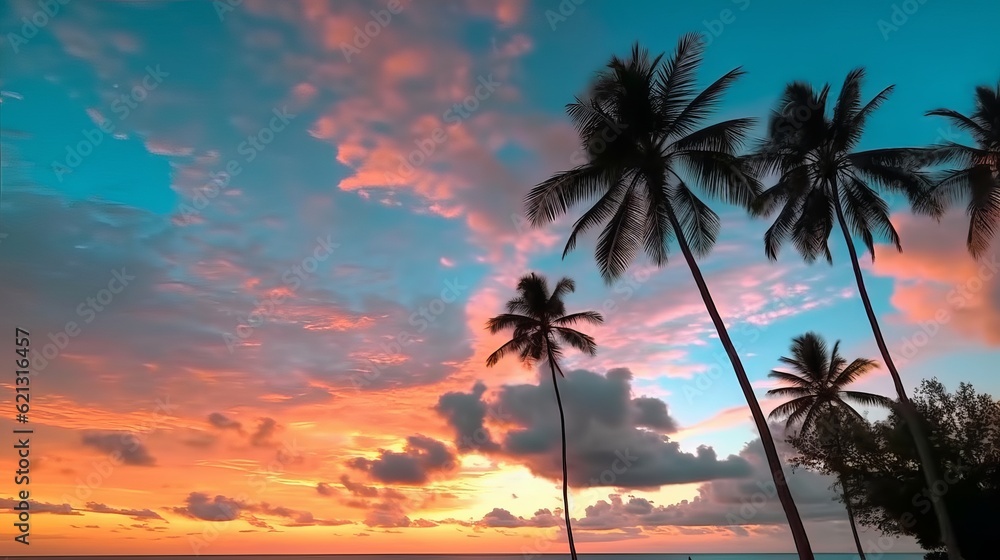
<point x="298" y="351"/>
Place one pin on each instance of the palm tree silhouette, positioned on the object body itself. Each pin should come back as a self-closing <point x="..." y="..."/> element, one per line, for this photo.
<point x="820" y="180"/>
<point x="639" y="128"/>
<point x="978" y="179"/>
<point x="540" y="327"/>
<point x="816" y="387"/>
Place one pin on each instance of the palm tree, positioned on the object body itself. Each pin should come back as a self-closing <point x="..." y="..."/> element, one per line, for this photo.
<point x="979" y="178"/>
<point x="821" y="179"/>
<point x="639" y="128"/>
<point x="816" y="386"/>
<point x="540" y="328"/>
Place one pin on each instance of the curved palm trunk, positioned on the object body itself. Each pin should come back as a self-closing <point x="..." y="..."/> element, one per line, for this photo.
<point x="770" y="451"/>
<point x="565" y="467"/>
<point x="906" y="408"/>
<point x="850" y="517"/>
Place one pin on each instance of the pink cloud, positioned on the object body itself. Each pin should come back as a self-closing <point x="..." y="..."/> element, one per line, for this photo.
<point x="938" y="283"/>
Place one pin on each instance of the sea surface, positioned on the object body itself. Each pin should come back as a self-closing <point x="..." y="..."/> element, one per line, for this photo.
<point x="693" y="556"/>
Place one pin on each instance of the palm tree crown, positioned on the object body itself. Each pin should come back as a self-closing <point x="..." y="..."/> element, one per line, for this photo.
<point x="816" y="384"/>
<point x="978" y="179"/>
<point x="819" y="174"/>
<point x="639" y="128"/>
<point x="540" y="323"/>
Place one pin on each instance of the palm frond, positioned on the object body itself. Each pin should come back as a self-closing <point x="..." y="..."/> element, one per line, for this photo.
<point x="675" y="83"/>
<point x="790" y="377"/>
<point x="582" y="342"/>
<point x="656" y="230"/>
<point x="723" y="176"/>
<point x="725" y="137"/>
<point x="788" y="392"/>
<point x="699" y="223"/>
<point x="508" y="321"/>
<point x="598" y="214"/>
<point x="619" y="243"/>
<point x="790" y="408"/>
<point x="555" y="196"/>
<point x="869" y="399"/>
<point x="592" y="317"/>
<point x="853" y="372"/>
<point x="867" y="214"/>
<point x="702" y="106"/>
<point x="517" y="344"/>
<point x="983" y="210"/>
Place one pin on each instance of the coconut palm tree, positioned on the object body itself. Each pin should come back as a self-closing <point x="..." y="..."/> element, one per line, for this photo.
<point x="822" y="181"/>
<point x="640" y="131"/>
<point x="540" y="328"/>
<point x="978" y="179"/>
<point x="817" y="389"/>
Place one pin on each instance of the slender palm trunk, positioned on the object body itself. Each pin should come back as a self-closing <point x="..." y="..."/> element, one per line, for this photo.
<point x="906" y="408"/>
<point x="770" y="451"/>
<point x="565" y="467"/>
<point x="846" y="492"/>
<point x="850" y="517"/>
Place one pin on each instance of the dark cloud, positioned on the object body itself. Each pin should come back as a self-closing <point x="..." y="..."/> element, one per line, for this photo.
<point x="221" y="508"/>
<point x="466" y="412"/>
<point x="652" y="413"/>
<point x="299" y="518"/>
<point x="387" y="514"/>
<point x="500" y="517"/>
<point x="325" y="489"/>
<point x="261" y="437"/>
<point x="422" y="457"/>
<point x="611" y="442"/>
<point x="124" y="444"/>
<point x="40" y="507"/>
<point x="137" y="514"/>
<point x="358" y="489"/>
<point x="223" y="422"/>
